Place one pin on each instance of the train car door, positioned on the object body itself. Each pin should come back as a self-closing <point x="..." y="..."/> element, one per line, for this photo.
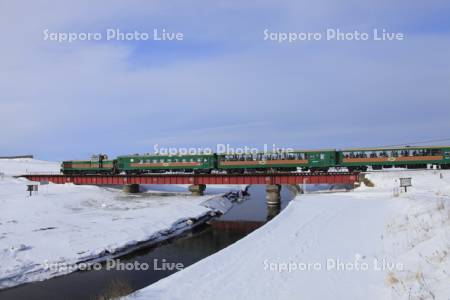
<point x="447" y="155"/>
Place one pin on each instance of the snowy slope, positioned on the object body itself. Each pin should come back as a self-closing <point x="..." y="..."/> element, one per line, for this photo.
<point x="66" y="224"/>
<point x="27" y="165"/>
<point x="391" y="246"/>
<point x="418" y="235"/>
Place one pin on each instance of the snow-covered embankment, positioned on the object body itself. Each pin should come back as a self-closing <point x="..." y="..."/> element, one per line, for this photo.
<point x="372" y="243"/>
<point x="47" y="234"/>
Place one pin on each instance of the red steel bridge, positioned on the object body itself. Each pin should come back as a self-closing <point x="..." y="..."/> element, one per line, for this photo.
<point x="201" y="179"/>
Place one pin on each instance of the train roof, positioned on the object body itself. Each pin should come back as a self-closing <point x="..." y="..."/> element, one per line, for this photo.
<point x="163" y="155"/>
<point x="84" y="160"/>
<point x="394" y="148"/>
<point x="281" y="151"/>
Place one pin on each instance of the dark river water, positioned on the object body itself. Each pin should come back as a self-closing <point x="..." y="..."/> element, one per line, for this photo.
<point x="246" y="215"/>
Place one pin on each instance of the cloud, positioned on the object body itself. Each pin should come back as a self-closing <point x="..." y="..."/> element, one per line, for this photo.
<point x="224" y="82"/>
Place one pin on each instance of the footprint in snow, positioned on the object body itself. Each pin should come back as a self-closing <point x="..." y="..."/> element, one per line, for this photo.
<point x="20" y="247"/>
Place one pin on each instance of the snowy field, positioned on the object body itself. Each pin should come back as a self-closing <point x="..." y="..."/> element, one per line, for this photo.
<point x="46" y="234"/>
<point x="371" y="243"/>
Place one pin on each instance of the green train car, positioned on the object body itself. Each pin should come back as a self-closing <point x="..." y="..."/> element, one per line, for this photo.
<point x="406" y="157"/>
<point x="139" y="164"/>
<point x="354" y="159"/>
<point x="99" y="164"/>
<point x="317" y="160"/>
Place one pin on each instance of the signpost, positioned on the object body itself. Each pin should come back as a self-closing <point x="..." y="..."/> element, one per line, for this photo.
<point x="32" y="188"/>
<point x="405" y="182"/>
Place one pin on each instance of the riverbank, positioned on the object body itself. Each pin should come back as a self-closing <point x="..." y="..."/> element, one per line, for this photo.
<point x="372" y="243"/>
<point x="49" y="233"/>
<point x="246" y="215"/>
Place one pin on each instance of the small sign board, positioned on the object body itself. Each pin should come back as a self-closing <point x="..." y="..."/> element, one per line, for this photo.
<point x="405" y="182"/>
<point x="32" y="188"/>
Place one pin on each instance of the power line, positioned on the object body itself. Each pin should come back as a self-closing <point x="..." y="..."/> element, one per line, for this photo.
<point x="406" y="144"/>
<point x="420" y="142"/>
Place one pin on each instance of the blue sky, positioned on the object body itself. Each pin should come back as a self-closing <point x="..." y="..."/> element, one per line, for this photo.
<point x="223" y="83"/>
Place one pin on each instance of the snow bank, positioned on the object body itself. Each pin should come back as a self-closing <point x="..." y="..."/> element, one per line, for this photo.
<point x="418" y="235"/>
<point x="19" y="166"/>
<point x="66" y="224"/>
<point x="402" y="238"/>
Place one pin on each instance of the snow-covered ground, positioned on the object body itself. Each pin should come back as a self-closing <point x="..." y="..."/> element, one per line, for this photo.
<point x="21" y="166"/>
<point x="46" y="234"/>
<point x="372" y="243"/>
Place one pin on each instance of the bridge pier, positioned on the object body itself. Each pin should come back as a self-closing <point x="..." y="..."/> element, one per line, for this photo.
<point x="131" y="188"/>
<point x="273" y="194"/>
<point x="197" y="189"/>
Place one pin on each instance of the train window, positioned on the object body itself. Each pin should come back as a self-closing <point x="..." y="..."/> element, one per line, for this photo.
<point x="322" y="156"/>
<point x="161" y="160"/>
<point x="131" y="160"/>
<point x="184" y="160"/>
<point x="436" y="152"/>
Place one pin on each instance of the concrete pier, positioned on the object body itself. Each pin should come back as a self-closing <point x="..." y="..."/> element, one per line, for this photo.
<point x="363" y="179"/>
<point x="273" y="194"/>
<point x="131" y="188"/>
<point x="197" y="189"/>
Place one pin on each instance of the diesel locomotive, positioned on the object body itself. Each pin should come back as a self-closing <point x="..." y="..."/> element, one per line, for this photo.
<point x="355" y="159"/>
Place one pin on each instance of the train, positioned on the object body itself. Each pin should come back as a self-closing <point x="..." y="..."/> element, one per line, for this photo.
<point x="354" y="159"/>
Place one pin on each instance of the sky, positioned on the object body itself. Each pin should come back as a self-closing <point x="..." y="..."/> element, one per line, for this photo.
<point x="223" y="83"/>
